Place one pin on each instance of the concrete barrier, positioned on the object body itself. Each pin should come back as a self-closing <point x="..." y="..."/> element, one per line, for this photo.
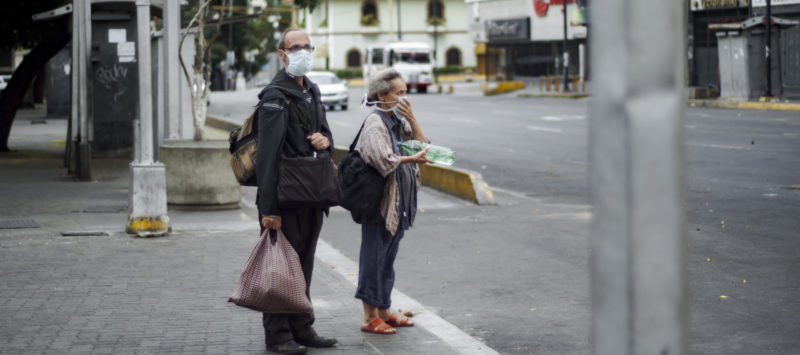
<point x="502" y="87"/>
<point x="462" y="183"/>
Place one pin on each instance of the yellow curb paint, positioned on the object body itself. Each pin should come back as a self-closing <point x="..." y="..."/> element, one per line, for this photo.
<point x="502" y="87"/>
<point x="773" y="106"/>
<point x="147" y="226"/>
<point x="556" y="96"/>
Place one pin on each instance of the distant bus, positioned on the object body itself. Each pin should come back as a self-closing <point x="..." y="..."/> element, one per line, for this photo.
<point x="411" y="60"/>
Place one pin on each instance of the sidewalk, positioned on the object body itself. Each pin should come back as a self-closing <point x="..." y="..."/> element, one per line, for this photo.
<point x="101" y="291"/>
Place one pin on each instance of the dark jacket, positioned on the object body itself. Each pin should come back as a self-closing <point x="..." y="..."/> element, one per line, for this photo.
<point x="285" y="119"/>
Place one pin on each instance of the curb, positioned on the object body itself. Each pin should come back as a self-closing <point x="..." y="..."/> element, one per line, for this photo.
<point x="502" y="87"/>
<point x="219" y="123"/>
<point x="556" y="96"/>
<point x="466" y="184"/>
<point x="746" y="105"/>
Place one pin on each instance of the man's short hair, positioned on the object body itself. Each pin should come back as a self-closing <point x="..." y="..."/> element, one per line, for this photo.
<point x="282" y="41"/>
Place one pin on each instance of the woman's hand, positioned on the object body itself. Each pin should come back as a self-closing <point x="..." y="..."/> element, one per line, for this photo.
<point x="405" y="109"/>
<point x="319" y="141"/>
<point x="419" y="158"/>
<point x="271" y="222"/>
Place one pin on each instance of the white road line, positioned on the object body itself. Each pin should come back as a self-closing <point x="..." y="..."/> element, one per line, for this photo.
<point x="446" y="331"/>
<point x="720" y="146"/>
<point x="543" y="129"/>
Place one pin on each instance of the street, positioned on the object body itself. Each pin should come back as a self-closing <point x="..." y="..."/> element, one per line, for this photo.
<point x="523" y="287"/>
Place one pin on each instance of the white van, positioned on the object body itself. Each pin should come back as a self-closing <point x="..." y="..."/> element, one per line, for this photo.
<point x="411" y="60"/>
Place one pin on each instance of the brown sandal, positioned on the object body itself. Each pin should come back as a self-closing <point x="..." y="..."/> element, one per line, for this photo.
<point x="395" y="321"/>
<point x="378" y="326"/>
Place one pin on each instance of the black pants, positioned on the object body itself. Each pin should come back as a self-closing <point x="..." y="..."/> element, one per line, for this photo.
<point x="301" y="227"/>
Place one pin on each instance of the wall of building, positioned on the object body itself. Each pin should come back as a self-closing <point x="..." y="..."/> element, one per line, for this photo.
<point x="344" y="31"/>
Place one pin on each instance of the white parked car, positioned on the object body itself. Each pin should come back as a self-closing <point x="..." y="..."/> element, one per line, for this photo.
<point x="333" y="91"/>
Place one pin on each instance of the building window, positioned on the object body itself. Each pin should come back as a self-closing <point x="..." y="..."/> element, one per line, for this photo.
<point x="353" y="58"/>
<point x="369" y="13"/>
<point x="453" y="57"/>
<point x="435" y="12"/>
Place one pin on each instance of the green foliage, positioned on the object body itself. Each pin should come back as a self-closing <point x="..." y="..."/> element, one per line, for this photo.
<point x="310" y="4"/>
<point x="18" y="30"/>
<point x="449" y="70"/>
<point x="369" y="20"/>
<point x="254" y="36"/>
<point x="349" y="73"/>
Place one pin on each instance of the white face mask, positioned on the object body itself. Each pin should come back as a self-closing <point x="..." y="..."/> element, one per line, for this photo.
<point x="393" y="109"/>
<point x="299" y="62"/>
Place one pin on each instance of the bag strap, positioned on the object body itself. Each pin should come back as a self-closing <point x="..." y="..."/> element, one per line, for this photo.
<point x="383" y="119"/>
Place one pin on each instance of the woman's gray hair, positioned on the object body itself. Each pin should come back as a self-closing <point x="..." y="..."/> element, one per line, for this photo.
<point x="380" y="83"/>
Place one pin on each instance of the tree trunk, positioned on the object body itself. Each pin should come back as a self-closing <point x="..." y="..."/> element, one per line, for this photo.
<point x="34" y="61"/>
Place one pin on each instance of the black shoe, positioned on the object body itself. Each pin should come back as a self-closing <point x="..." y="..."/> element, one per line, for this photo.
<point x="318" y="342"/>
<point x="289" y="347"/>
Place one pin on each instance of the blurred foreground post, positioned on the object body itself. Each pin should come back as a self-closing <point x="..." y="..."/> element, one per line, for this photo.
<point x="637" y="178"/>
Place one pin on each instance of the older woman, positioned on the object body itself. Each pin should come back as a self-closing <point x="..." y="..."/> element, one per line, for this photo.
<point x="392" y="121"/>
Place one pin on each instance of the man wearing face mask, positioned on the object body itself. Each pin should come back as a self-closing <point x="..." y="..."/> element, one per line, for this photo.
<point x="291" y="122"/>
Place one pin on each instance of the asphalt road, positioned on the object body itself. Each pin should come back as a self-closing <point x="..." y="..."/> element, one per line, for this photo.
<point x="516" y="275"/>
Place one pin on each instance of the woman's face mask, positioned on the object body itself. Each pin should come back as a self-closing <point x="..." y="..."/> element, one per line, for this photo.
<point x="393" y="109"/>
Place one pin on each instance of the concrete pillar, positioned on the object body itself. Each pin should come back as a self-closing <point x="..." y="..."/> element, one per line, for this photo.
<point x="637" y="179"/>
<point x="148" y="187"/>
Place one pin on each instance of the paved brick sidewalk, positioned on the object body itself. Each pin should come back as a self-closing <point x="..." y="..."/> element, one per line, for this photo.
<point x="119" y="294"/>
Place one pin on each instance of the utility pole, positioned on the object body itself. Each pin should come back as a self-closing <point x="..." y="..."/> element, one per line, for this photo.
<point x="566" y="53"/>
<point x="148" y="188"/>
<point x="399" y="22"/>
<point x="435" y="18"/>
<point x="172" y="74"/>
<point x="768" y="47"/>
<point x="81" y="87"/>
<point x="638" y="179"/>
<point x="230" y="81"/>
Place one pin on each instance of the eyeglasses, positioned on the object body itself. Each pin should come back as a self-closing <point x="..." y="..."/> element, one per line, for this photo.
<point x="296" y="48"/>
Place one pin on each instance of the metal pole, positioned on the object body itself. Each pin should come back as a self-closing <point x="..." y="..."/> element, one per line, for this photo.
<point x="435" y="42"/>
<point x="82" y="26"/>
<point x="399" y="22"/>
<point x="145" y="79"/>
<point x="566" y="53"/>
<point x="148" y="185"/>
<point x="172" y="74"/>
<point x="637" y="179"/>
<point x="768" y="47"/>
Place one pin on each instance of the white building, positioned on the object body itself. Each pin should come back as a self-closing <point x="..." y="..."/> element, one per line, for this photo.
<point x="525" y="37"/>
<point x="342" y="30"/>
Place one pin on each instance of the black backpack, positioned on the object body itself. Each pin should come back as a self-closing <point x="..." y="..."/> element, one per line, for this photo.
<point x="360" y="186"/>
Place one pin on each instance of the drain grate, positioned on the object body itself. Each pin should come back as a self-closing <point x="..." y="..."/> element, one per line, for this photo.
<point x="85" y="234"/>
<point x="18" y="224"/>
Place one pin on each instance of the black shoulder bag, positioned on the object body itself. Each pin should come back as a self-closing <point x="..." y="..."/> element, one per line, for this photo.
<point x="360" y="185"/>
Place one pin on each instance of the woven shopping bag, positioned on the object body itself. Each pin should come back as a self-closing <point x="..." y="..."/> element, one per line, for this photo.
<point x="272" y="280"/>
